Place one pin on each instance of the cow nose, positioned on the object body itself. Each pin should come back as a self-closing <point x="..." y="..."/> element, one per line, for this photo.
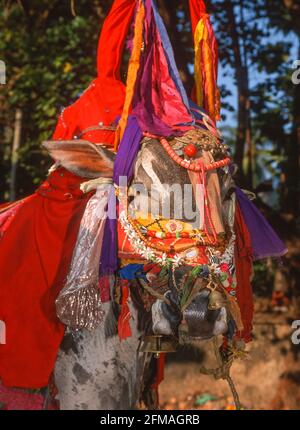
<point x="183" y="328"/>
<point x="216" y="300"/>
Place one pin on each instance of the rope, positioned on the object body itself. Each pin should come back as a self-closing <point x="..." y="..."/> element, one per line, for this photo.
<point x="223" y="372"/>
<point x="153" y="292"/>
<point x="91" y="185"/>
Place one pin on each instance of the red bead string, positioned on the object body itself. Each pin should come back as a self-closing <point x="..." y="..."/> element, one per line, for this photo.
<point x="195" y="167"/>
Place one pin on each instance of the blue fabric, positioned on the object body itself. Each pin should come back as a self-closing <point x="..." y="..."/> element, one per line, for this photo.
<point x="132" y="271"/>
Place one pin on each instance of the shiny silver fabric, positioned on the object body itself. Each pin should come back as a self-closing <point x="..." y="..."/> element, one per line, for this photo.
<point x="79" y="303"/>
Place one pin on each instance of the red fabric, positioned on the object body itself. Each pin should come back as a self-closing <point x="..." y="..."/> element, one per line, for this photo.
<point x="160" y="374"/>
<point x="112" y="38"/>
<point x="160" y="370"/>
<point x="197" y="9"/>
<point x="14" y="399"/>
<point x="103" y="100"/>
<point x="35" y="254"/>
<point x="243" y="264"/>
<point x="124" y="330"/>
<point x="36" y="249"/>
<point x="126" y="251"/>
<point x="38" y="240"/>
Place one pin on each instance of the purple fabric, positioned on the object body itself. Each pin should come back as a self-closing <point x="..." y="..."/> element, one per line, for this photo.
<point x="124" y="165"/>
<point x="265" y="242"/>
<point x="158" y="104"/>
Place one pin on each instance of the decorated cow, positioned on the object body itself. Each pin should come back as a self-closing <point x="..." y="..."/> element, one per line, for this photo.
<point x="139" y="240"/>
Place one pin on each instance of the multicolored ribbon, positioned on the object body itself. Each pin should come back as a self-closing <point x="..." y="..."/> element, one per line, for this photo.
<point x="207" y="94"/>
<point x="133" y="68"/>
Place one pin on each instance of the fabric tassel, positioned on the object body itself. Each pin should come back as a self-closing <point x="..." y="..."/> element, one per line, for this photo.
<point x="160" y="103"/>
<point x="104" y="287"/>
<point x="160" y="374"/>
<point x="81" y="308"/>
<point x="265" y="242"/>
<point x="207" y="94"/>
<point x="208" y="223"/>
<point x="123" y="167"/>
<point x="124" y="330"/>
<point x="243" y="256"/>
<point x="133" y="68"/>
<point x="79" y="303"/>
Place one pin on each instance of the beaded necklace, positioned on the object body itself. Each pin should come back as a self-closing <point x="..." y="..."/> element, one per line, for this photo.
<point x="187" y="164"/>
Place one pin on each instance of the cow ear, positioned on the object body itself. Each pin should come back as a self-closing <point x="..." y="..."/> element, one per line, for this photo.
<point x="82" y="158"/>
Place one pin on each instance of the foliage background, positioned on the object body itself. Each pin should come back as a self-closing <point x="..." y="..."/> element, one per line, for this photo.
<point x="49" y="47"/>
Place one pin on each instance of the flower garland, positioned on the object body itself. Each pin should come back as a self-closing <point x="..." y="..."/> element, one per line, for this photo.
<point x="215" y="265"/>
<point x="145" y="251"/>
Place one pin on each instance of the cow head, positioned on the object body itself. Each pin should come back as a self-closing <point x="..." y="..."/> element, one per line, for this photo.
<point x="188" y="307"/>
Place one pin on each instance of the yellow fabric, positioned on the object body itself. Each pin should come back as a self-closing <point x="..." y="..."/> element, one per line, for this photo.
<point x="145" y="220"/>
<point x="204" y="71"/>
<point x="200" y="34"/>
<point x="133" y="68"/>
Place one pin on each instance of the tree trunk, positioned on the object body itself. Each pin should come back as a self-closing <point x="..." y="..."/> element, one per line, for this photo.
<point x="14" y="154"/>
<point x="292" y="195"/>
<point x="243" y="117"/>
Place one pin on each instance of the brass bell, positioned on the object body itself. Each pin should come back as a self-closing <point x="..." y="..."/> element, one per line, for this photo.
<point x="217" y="300"/>
<point x="158" y="344"/>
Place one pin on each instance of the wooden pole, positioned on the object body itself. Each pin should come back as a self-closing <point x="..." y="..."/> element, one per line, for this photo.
<point x="14" y="154"/>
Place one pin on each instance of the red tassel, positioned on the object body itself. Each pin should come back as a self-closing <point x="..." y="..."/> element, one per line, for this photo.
<point x="124" y="330"/>
<point x="160" y="374"/>
<point x="243" y="264"/>
<point x="104" y="286"/>
<point x="160" y="369"/>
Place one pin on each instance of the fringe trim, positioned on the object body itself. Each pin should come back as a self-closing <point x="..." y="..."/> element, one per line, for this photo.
<point x="81" y="308"/>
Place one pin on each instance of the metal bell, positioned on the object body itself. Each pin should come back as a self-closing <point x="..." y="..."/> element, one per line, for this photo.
<point x="216" y="300"/>
<point x="158" y="344"/>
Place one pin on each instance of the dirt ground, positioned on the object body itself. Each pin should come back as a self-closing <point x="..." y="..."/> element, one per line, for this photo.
<point x="269" y="378"/>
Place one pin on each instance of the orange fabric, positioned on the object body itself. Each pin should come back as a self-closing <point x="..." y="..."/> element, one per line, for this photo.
<point x="133" y="68"/>
<point x="126" y="251"/>
<point x="243" y="264"/>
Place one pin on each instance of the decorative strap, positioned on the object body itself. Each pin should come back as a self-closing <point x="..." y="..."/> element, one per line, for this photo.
<point x="99" y="127"/>
<point x="93" y="184"/>
<point x="195" y="167"/>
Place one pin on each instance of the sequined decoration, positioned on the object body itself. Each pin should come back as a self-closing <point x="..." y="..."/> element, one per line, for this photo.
<point x="79" y="303"/>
